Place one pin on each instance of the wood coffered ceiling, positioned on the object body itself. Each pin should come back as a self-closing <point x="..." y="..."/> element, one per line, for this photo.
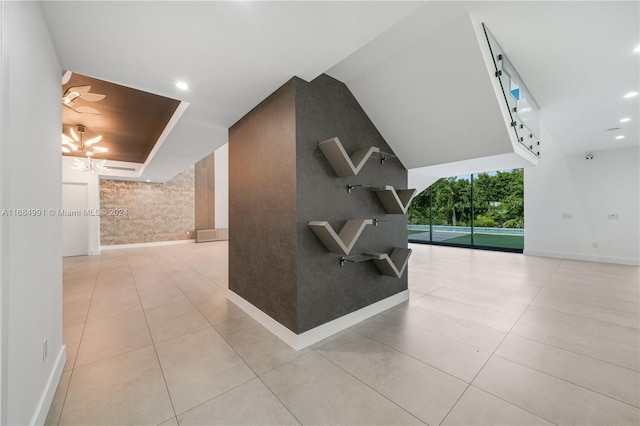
<point x="130" y="120"/>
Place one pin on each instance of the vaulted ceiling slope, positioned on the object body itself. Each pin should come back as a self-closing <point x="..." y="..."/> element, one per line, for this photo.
<point x="576" y="58"/>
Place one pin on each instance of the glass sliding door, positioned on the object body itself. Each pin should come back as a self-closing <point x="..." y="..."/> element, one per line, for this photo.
<point x="483" y="210"/>
<point x="420" y="217"/>
<point x="451" y="211"/>
<point x="499" y="209"/>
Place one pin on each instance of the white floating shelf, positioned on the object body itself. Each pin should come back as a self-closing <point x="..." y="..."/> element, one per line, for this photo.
<point x="342" y="164"/>
<point x="392" y="264"/>
<point x="339" y="243"/>
<point x="395" y="201"/>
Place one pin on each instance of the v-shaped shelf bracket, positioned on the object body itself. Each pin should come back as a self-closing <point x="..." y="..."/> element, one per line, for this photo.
<point x="340" y="161"/>
<point x="395" y="201"/>
<point x="392" y="264"/>
<point x="339" y="243"/>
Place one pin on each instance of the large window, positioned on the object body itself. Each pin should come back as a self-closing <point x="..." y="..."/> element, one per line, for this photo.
<point x="484" y="210"/>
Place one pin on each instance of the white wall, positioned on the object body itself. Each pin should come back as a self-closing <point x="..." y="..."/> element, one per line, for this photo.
<point x="585" y="192"/>
<point x="221" y="184"/>
<point x="93" y="186"/>
<point x="30" y="250"/>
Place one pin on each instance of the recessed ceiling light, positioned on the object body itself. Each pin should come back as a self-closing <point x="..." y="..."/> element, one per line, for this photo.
<point x="624" y="120"/>
<point x="620" y="137"/>
<point x="631" y="94"/>
<point x="637" y="49"/>
<point x="182" y="85"/>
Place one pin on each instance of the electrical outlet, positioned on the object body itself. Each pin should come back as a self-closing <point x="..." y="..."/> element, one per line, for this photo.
<point x="614" y="216"/>
<point x="45" y="349"/>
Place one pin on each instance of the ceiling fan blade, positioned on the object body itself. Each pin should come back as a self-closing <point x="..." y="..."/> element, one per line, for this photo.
<point x="92" y="97"/>
<point x="65" y="149"/>
<point x="80" y="89"/>
<point x="85" y="110"/>
<point x="66" y="77"/>
<point x="69" y="97"/>
<point x="74" y="135"/>
<point x="93" y="140"/>
<point x="100" y="149"/>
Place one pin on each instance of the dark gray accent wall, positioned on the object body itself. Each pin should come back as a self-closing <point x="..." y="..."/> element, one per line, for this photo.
<point x="279" y="180"/>
<point x="262" y="207"/>
<point x="326" y="108"/>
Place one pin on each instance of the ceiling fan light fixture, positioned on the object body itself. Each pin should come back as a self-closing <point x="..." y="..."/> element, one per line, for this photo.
<point x="74" y="135"/>
<point x="182" y="85"/>
<point x="93" y="140"/>
<point x="89" y="164"/>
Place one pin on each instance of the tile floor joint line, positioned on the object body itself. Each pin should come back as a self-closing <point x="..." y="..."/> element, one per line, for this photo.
<point x="583" y="316"/>
<point x="279" y="400"/>
<point x="474" y="306"/>
<point x="411" y="356"/>
<point x="373" y="389"/>
<point x="155" y="350"/>
<point x="578" y="353"/>
<point x="515" y="405"/>
<point x="73" y="367"/>
<point x="214" y="397"/>
<point x="443" y="335"/>
<point x="568" y="381"/>
<point x="455" y="403"/>
<point x="500" y="344"/>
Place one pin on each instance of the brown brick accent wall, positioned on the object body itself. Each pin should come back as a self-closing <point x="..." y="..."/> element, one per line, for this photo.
<point x="147" y="212"/>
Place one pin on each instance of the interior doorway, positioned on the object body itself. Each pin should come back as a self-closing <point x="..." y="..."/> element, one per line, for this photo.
<point x="75" y="224"/>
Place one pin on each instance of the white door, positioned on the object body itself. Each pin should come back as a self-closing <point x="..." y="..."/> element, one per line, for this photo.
<point x="75" y="229"/>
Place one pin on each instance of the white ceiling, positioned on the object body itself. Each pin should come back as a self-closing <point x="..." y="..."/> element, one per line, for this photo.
<point x="576" y="57"/>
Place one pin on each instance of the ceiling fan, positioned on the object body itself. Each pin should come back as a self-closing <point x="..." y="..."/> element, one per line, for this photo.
<point x="72" y="94"/>
<point x="77" y="143"/>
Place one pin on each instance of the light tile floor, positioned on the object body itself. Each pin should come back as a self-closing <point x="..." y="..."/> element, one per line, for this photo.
<point x="487" y="338"/>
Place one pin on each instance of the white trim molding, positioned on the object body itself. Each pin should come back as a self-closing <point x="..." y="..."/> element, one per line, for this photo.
<point x="46" y="399"/>
<point x="308" y="338"/>
<point x="151" y="244"/>
<point x="584" y="257"/>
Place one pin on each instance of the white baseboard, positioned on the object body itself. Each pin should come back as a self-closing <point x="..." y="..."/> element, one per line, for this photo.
<point x="301" y="341"/>
<point x="44" y="404"/>
<point x="584" y="257"/>
<point x="151" y="244"/>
